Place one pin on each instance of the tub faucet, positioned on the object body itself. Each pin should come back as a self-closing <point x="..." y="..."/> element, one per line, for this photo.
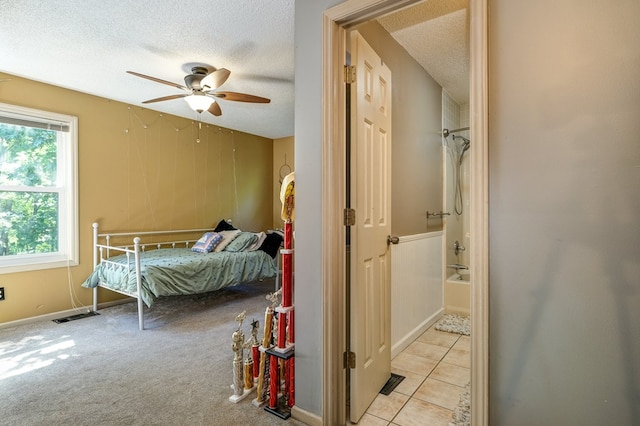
<point x="457" y="247"/>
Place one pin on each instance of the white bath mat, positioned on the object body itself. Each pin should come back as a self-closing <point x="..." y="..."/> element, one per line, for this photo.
<point x="453" y="323"/>
<point x="462" y="414"/>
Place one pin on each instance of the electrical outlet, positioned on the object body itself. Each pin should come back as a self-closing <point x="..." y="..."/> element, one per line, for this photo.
<point x="1" y="293"/>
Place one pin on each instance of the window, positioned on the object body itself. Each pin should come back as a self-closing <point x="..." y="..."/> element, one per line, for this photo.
<point x="38" y="189"/>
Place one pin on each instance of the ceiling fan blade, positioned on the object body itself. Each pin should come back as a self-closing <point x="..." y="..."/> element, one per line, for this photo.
<point x="215" y="79"/>
<point x="215" y="109"/>
<point x="240" y="97"/>
<point x="165" y="98"/>
<point x="157" y="80"/>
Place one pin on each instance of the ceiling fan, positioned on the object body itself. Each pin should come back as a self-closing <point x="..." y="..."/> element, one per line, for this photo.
<point x="200" y="90"/>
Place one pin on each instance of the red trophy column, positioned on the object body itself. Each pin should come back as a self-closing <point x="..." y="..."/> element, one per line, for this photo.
<point x="284" y="348"/>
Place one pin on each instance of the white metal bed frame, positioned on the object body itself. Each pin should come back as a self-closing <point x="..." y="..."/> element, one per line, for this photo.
<point x="102" y="252"/>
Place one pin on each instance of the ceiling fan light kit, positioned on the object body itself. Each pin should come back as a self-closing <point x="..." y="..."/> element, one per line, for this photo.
<point x="199" y="102"/>
<point x="200" y="90"/>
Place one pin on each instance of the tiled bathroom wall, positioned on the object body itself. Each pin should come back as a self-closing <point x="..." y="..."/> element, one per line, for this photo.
<point x="452" y="116"/>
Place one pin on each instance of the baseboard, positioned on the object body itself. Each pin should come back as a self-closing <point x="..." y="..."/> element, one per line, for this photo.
<point x="305" y="416"/>
<point x="415" y="333"/>
<point x="62" y="314"/>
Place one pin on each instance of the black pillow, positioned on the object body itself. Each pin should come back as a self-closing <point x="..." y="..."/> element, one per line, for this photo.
<point x="223" y="225"/>
<point x="271" y="244"/>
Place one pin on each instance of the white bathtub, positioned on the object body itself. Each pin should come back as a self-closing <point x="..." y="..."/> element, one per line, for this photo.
<point x="457" y="293"/>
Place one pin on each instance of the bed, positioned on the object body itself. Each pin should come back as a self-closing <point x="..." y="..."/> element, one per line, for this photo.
<point x="168" y="264"/>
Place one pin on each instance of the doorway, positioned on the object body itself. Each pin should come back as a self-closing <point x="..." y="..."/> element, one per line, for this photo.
<point x="336" y="21"/>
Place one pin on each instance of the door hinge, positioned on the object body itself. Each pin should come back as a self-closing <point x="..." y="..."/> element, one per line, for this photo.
<point x="349" y="74"/>
<point x="349" y="217"/>
<point x="349" y="360"/>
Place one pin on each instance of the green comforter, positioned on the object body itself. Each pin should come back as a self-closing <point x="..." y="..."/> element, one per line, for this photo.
<point x="170" y="272"/>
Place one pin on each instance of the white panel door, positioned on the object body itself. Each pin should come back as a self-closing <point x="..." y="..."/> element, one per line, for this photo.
<point x="370" y="311"/>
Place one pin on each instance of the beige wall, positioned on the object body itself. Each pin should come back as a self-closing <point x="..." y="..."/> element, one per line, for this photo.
<point x="136" y="178"/>
<point x="283" y="164"/>
<point x="416" y="157"/>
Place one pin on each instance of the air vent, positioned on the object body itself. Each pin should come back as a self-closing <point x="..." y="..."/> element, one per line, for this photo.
<point x="75" y="317"/>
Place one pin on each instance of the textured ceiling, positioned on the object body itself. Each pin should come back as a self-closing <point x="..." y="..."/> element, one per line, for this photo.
<point x="436" y="34"/>
<point x="87" y="45"/>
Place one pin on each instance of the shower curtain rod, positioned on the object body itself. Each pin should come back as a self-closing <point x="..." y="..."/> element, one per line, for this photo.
<point x="447" y="132"/>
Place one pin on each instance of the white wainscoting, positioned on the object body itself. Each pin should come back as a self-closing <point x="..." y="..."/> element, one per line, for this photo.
<point x="417" y="298"/>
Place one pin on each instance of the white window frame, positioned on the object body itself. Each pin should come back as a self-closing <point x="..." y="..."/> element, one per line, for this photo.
<point x="66" y="187"/>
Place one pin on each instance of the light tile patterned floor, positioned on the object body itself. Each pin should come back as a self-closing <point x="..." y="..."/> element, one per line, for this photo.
<point x="436" y="368"/>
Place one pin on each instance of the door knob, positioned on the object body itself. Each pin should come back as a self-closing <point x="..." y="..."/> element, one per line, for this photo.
<point x="392" y="239"/>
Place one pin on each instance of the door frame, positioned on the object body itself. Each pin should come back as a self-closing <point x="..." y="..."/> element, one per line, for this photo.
<point x="336" y="20"/>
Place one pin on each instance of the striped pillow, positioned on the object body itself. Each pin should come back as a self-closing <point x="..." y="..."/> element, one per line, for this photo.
<point x="207" y="242"/>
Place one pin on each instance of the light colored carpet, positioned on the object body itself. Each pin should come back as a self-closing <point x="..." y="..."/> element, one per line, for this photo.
<point x="102" y="370"/>
<point x="453" y="323"/>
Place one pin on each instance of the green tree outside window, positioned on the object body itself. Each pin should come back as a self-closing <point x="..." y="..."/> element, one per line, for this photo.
<point x="28" y="203"/>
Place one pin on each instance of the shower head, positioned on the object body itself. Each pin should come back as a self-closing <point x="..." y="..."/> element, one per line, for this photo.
<point x="466" y="141"/>
<point x="466" y="145"/>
